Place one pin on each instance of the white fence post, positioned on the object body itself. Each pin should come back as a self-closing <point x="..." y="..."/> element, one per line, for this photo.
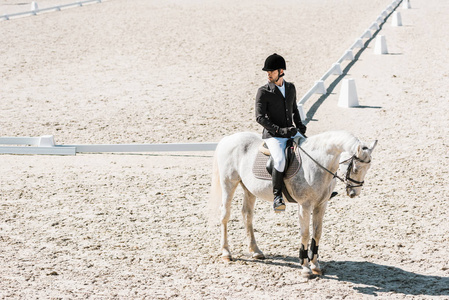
<point x="374" y="26"/>
<point x="46" y="141"/>
<point x="349" y="55"/>
<point x="320" y="88"/>
<point x="301" y="112"/>
<point x="367" y="34"/>
<point x="357" y="44"/>
<point x="336" y="69"/>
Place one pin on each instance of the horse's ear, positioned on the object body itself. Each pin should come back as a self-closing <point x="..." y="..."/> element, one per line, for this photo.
<point x="373" y="145"/>
<point x="360" y="150"/>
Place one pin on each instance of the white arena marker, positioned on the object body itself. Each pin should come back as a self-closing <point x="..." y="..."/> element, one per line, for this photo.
<point x="348" y="94"/>
<point x="406" y="4"/>
<point x="396" y="20"/>
<point x="34" y="6"/>
<point x="381" y="45"/>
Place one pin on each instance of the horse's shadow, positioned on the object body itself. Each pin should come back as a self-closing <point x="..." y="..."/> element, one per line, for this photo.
<point x="371" y="279"/>
<point x="383" y="279"/>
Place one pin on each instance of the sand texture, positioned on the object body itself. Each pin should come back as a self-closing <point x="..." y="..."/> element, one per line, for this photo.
<point x="125" y="226"/>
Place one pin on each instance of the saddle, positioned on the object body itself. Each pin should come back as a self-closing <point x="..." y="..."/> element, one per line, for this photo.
<point x="263" y="164"/>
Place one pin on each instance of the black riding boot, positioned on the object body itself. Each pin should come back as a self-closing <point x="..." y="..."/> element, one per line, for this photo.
<point x="278" y="184"/>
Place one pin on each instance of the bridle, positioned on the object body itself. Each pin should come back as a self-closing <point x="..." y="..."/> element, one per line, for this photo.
<point x="347" y="180"/>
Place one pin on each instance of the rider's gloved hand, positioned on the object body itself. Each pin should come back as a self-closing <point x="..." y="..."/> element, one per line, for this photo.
<point x="283" y="132"/>
<point x="287" y="132"/>
<point x="293" y="131"/>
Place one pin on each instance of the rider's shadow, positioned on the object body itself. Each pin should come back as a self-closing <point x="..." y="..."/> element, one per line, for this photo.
<point x="385" y="279"/>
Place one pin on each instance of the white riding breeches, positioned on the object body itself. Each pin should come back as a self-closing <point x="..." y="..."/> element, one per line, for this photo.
<point x="277" y="146"/>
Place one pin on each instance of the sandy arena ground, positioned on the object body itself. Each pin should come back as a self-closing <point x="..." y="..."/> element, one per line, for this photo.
<point x="111" y="226"/>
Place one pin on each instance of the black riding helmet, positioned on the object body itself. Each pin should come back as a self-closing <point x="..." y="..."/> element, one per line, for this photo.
<point x="274" y="62"/>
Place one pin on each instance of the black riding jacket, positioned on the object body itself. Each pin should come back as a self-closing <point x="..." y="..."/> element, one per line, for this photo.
<point x="273" y="111"/>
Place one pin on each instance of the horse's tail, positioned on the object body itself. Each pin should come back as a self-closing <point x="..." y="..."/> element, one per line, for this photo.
<point x="215" y="193"/>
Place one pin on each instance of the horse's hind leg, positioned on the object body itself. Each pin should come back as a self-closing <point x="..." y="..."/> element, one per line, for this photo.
<point x="249" y="201"/>
<point x="228" y="189"/>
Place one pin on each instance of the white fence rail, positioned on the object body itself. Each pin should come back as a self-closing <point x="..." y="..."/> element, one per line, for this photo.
<point x="34" y="10"/>
<point x="45" y="145"/>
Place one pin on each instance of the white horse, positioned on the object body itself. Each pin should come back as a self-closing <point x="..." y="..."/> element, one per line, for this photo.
<point x="311" y="187"/>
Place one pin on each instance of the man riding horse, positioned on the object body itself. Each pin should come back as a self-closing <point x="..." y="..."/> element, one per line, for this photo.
<point x="276" y="111"/>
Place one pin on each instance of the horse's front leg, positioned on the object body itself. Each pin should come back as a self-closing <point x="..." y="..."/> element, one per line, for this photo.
<point x="304" y="223"/>
<point x="249" y="201"/>
<point x="318" y="214"/>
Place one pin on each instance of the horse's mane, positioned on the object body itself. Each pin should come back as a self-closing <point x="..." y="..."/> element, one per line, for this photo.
<point x="343" y="140"/>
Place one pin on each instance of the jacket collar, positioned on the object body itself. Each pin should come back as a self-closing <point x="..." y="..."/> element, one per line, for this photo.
<point x="272" y="88"/>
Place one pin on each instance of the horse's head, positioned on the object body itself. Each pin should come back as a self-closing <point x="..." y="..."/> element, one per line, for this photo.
<point x="356" y="167"/>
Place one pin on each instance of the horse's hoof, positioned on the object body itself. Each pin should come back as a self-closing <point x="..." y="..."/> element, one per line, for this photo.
<point x="317" y="272"/>
<point x="258" y="256"/>
<point x="306" y="273"/>
<point x="226" y="258"/>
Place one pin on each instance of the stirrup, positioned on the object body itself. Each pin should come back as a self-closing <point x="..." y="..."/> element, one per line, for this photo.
<point x="279" y="205"/>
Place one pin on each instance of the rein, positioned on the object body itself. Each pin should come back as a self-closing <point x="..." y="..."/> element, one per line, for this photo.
<point x="324" y="168"/>
<point x="348" y="172"/>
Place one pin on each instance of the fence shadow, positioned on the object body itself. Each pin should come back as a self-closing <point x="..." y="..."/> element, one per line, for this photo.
<point x="313" y="109"/>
